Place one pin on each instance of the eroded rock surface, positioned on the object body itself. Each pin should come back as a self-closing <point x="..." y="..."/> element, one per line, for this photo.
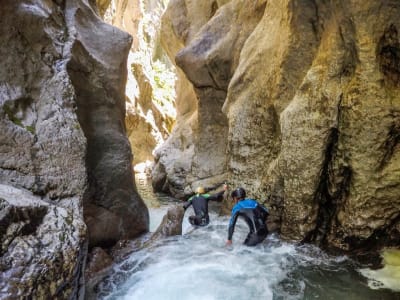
<point x="207" y="49"/>
<point x="310" y="94"/>
<point x="113" y="209"/>
<point x="171" y="223"/>
<point x="149" y="92"/>
<point x="64" y="150"/>
<point x="43" y="247"/>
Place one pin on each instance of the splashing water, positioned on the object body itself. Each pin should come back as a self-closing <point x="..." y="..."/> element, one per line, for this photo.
<point x="198" y="266"/>
<point x="389" y="275"/>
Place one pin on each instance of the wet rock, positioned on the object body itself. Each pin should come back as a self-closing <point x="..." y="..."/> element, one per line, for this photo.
<point x="310" y="95"/>
<point x="97" y="267"/>
<point x="97" y="261"/>
<point x="65" y="156"/>
<point x="113" y="208"/>
<point x="43" y="247"/>
<point x="171" y="223"/>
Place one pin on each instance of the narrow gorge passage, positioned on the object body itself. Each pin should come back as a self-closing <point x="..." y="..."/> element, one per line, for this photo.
<point x="295" y="101"/>
<point x="197" y="266"/>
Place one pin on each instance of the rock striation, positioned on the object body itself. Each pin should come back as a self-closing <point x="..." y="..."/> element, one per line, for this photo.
<point x="297" y="101"/>
<point x="65" y="158"/>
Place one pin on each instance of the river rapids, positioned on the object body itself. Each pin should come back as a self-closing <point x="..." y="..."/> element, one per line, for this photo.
<point x="198" y="266"/>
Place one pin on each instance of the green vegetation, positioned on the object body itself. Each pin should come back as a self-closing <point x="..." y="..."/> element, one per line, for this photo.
<point x="13" y="118"/>
<point x="163" y="87"/>
<point x="31" y="129"/>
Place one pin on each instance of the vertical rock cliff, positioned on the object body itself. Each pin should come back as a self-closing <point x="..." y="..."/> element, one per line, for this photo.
<point x="150" y="92"/>
<point x="65" y="158"/>
<point x="207" y="46"/>
<point x="97" y="68"/>
<point x="309" y="92"/>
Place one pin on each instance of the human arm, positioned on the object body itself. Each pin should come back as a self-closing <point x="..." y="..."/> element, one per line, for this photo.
<point x="231" y="228"/>
<point x="188" y="203"/>
<point x="217" y="196"/>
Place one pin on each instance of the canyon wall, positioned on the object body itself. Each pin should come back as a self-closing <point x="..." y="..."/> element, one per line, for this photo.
<point x="66" y="179"/>
<point x="150" y="87"/>
<point x="296" y="101"/>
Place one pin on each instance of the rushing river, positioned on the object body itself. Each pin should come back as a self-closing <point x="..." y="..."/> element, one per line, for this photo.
<point x="198" y="266"/>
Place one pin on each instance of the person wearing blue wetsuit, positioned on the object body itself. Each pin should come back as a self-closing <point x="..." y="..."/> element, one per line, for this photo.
<point x="200" y="205"/>
<point x="254" y="215"/>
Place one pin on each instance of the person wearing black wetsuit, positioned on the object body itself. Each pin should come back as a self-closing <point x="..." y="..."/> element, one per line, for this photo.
<point x="200" y="206"/>
<point x="254" y="215"/>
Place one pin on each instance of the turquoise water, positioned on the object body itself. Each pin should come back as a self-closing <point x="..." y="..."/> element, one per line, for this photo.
<point x="198" y="266"/>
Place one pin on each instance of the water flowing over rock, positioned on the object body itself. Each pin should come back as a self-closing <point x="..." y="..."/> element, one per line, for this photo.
<point x="309" y="92"/>
<point x="65" y="157"/>
<point x="100" y="264"/>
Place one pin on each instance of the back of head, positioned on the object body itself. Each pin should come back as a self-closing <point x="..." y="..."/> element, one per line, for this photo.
<point x="200" y="190"/>
<point x="239" y="193"/>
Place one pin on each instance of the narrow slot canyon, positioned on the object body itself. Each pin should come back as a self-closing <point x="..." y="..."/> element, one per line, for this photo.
<point x="117" y="115"/>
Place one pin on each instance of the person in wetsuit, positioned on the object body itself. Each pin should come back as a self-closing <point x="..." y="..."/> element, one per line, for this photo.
<point x="253" y="213"/>
<point x="200" y="206"/>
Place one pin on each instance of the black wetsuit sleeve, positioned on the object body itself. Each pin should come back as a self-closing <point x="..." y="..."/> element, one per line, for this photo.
<point x="216" y="197"/>
<point x="187" y="204"/>
<point x="232" y="224"/>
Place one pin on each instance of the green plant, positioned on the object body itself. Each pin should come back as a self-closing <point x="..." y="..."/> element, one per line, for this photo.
<point x="31" y="129"/>
<point x="11" y="116"/>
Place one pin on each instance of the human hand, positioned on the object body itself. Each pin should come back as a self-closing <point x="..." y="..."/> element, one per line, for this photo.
<point x="228" y="243"/>
<point x="225" y="187"/>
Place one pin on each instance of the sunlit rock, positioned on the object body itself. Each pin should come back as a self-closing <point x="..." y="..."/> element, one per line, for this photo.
<point x="150" y="113"/>
<point x="207" y="49"/>
<point x="309" y="90"/>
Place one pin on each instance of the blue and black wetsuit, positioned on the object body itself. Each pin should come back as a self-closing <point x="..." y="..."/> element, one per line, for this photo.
<point x="255" y="216"/>
<point x="200" y="206"/>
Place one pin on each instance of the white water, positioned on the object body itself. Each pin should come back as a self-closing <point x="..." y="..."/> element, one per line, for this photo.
<point x="198" y="266"/>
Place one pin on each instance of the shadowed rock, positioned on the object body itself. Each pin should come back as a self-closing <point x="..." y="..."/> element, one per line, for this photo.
<point x="64" y="153"/>
<point x="171" y="223"/>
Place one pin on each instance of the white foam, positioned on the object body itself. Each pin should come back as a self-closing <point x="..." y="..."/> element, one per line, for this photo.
<point x="389" y="275"/>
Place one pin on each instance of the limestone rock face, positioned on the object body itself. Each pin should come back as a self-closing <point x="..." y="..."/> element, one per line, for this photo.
<point x="310" y="94"/>
<point x="208" y="53"/>
<point x="112" y="208"/>
<point x="146" y="124"/>
<point x="43" y="247"/>
<point x="318" y="145"/>
<point x="65" y="156"/>
<point x="43" y="156"/>
<point x="149" y="115"/>
<point x="174" y="159"/>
